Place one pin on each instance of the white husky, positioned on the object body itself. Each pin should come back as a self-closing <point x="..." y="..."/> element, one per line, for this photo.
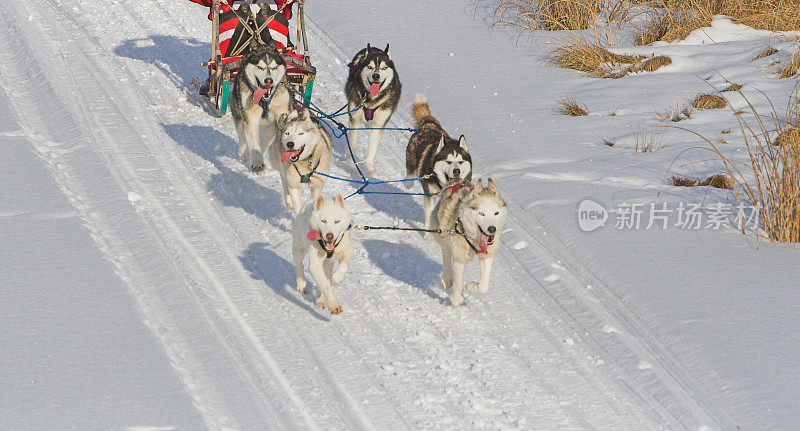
<point x="322" y="230"/>
<point x="302" y="148"/>
<point x="473" y="218"/>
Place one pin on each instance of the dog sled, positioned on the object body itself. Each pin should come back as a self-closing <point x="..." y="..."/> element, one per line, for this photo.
<point x="237" y="27"/>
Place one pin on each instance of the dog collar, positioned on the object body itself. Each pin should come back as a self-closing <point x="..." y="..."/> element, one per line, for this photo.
<point x="264" y="101"/>
<point x="329" y="253"/>
<point x="464" y="235"/>
<point x="454" y="188"/>
<point x="305" y="178"/>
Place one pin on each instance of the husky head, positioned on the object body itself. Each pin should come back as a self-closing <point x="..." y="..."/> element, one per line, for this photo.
<point x="374" y="69"/>
<point x="331" y="220"/>
<point x="486" y="210"/>
<point x="452" y="160"/>
<point x="264" y="67"/>
<point x="298" y="135"/>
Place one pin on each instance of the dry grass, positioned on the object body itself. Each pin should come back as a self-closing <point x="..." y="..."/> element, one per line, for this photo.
<point x="528" y="15"/>
<point x="765" y="53"/>
<point x="788" y="136"/>
<point x="651" y="64"/>
<point x="720" y="181"/>
<point x="669" y="26"/>
<point x="569" y="106"/>
<point x="681" y="181"/>
<point x="709" y="101"/>
<point x="792" y="66"/>
<point x="597" y="61"/>
<point x="673" y="116"/>
<point x="648" y="143"/>
<point x="770" y="177"/>
<point x="591" y="58"/>
<point x="733" y="87"/>
<point x="675" y="19"/>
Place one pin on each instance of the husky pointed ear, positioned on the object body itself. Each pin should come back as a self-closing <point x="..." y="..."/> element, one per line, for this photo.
<point x="282" y="120"/>
<point x="302" y="114"/>
<point x="462" y="142"/>
<point x="492" y="187"/>
<point x="478" y="186"/>
<point x="441" y="144"/>
<point x="339" y="200"/>
<point x="369" y="48"/>
<point x="292" y="115"/>
<point x="386" y="51"/>
<point x="320" y="202"/>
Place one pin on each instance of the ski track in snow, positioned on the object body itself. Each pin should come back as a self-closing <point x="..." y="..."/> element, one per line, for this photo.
<point x="203" y="246"/>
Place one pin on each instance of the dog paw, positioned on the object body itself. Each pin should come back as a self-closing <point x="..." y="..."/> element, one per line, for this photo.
<point x="336" y="309"/>
<point x="429" y="236"/>
<point x="301" y="287"/>
<point x="445" y="285"/>
<point x="258" y="168"/>
<point x="456" y="300"/>
<point x="321" y="303"/>
<point x="472" y="287"/>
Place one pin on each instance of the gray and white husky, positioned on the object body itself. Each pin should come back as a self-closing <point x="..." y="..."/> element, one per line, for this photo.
<point x="473" y="217"/>
<point x="373" y="84"/>
<point x="258" y="100"/>
<point x="322" y="230"/>
<point x="301" y="149"/>
<point x="434" y="156"/>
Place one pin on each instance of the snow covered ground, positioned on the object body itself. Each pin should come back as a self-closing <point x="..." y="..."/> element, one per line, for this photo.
<point x="148" y="273"/>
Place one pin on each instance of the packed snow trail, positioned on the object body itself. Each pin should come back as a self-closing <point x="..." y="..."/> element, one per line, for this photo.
<point x="104" y="92"/>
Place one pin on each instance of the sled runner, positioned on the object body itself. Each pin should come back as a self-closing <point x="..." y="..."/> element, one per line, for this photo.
<point x="239" y="25"/>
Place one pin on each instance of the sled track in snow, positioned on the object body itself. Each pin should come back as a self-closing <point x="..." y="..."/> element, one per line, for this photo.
<point x="250" y="355"/>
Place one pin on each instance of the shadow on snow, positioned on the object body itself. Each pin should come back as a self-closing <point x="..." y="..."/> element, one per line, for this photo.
<point x="278" y="273"/>
<point x="406" y="264"/>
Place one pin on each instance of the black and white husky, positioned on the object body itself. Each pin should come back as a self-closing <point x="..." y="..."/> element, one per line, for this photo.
<point x="434" y="156"/>
<point x="259" y="99"/>
<point x="373" y="86"/>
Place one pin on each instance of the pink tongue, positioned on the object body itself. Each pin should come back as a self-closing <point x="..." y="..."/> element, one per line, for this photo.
<point x="374" y="89"/>
<point x="314" y="235"/>
<point x="484" y="243"/>
<point x="287" y="155"/>
<point x="259" y="94"/>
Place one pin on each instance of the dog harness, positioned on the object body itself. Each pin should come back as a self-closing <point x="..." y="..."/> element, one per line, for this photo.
<point x="454" y="188"/>
<point x="264" y="101"/>
<point x="329" y="254"/>
<point x="305" y="178"/>
<point x="464" y="235"/>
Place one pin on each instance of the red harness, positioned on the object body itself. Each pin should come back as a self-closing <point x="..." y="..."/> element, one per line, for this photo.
<point x="454" y="188"/>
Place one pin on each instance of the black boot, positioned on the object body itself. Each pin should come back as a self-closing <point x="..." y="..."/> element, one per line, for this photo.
<point x="205" y="87"/>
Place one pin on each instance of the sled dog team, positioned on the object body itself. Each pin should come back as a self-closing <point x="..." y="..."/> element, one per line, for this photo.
<point x="271" y="125"/>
